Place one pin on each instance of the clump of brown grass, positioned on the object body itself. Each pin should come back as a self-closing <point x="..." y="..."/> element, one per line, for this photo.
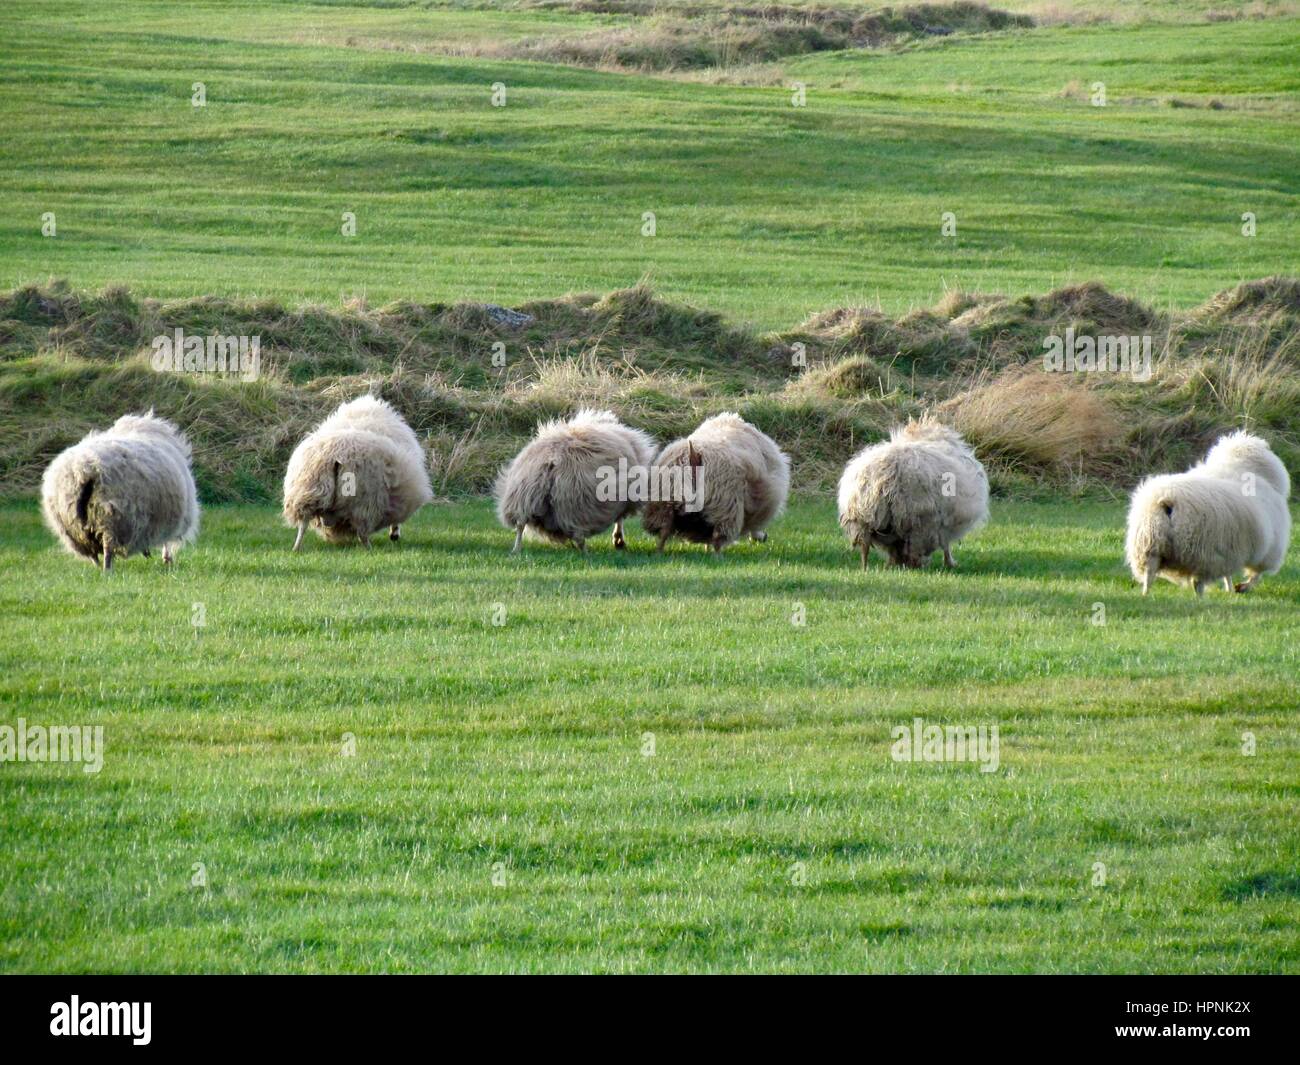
<point x="1252" y="301"/>
<point x="850" y="378"/>
<point x="686" y="37"/>
<point x="956" y="302"/>
<point x="585" y="379"/>
<point x="1027" y="415"/>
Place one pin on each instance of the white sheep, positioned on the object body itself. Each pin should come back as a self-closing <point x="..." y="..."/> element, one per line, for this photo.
<point x="124" y="490"/>
<point x="919" y="492"/>
<point x="361" y="469"/>
<point x="739" y="479"/>
<point x="1226" y="514"/>
<point x="553" y="487"/>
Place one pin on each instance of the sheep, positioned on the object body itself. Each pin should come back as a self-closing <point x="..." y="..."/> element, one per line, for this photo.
<point x="919" y="492"/>
<point x="553" y="487"/>
<point x="125" y="490"/>
<point x="1226" y="514"/>
<point x="362" y="468"/>
<point x="739" y="479"/>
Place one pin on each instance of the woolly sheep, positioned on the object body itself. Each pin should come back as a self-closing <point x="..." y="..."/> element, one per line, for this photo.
<point x="123" y="491"/>
<point x="741" y="479"/>
<point x="918" y="492"/>
<point x="551" y="488"/>
<point x="1226" y="514"/>
<point x="362" y="468"/>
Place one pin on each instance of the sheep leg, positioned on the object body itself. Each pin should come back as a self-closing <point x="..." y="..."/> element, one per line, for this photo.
<point x="167" y="554"/>
<point x="620" y="544"/>
<point x="864" y="549"/>
<point x="108" y="554"/>
<point x="1199" y="587"/>
<point x="581" y="545"/>
<point x="365" y="541"/>
<point x="1227" y="584"/>
<point x="519" y="540"/>
<point x="759" y="537"/>
<point x="395" y="533"/>
<point x="302" y="528"/>
<point x="663" y="540"/>
<point x="1149" y="572"/>
<point x="947" y="557"/>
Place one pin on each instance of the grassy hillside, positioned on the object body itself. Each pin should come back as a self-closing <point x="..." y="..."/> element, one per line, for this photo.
<point x="764" y="211"/>
<point x="769" y="830"/>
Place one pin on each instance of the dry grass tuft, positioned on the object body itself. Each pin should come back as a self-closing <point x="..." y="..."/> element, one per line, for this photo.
<point x="735" y="41"/>
<point x="1252" y="301"/>
<point x="1027" y="416"/>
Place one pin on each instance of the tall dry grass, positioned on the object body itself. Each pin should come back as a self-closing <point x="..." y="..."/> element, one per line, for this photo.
<point x="1024" y="415"/>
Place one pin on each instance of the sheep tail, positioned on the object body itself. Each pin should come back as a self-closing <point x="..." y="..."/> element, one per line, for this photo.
<point x="1150" y="538"/>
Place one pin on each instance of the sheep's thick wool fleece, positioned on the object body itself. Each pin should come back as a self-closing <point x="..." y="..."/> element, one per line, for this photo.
<point x="124" y="490"/>
<point x="551" y="486"/>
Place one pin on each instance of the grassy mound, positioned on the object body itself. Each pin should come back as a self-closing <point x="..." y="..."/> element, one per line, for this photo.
<point x="474" y="385"/>
<point x="685" y="36"/>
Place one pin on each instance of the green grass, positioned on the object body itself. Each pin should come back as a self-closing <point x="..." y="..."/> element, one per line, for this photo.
<point x="520" y="744"/>
<point x="764" y="211"/>
<point x="500" y="812"/>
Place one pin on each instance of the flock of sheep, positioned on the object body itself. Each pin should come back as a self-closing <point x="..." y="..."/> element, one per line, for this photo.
<point x="130" y="488"/>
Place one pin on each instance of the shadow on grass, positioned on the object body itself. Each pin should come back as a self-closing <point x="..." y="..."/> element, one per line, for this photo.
<point x="1271" y="884"/>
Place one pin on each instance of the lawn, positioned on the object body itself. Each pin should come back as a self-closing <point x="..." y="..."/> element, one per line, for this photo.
<point x="763" y="210"/>
<point x="625" y="762"/>
<point x="431" y="756"/>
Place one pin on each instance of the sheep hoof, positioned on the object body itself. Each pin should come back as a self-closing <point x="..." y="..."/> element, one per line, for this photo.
<point x="1243" y="587"/>
<point x="167" y="556"/>
<point x="759" y="537"/>
<point x="394" y="533"/>
<point x="619" y="543"/>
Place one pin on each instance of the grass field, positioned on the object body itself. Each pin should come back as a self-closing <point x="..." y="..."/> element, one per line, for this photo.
<point x="432" y="757"/>
<point x="763" y="210"/>
<point x="514" y="751"/>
